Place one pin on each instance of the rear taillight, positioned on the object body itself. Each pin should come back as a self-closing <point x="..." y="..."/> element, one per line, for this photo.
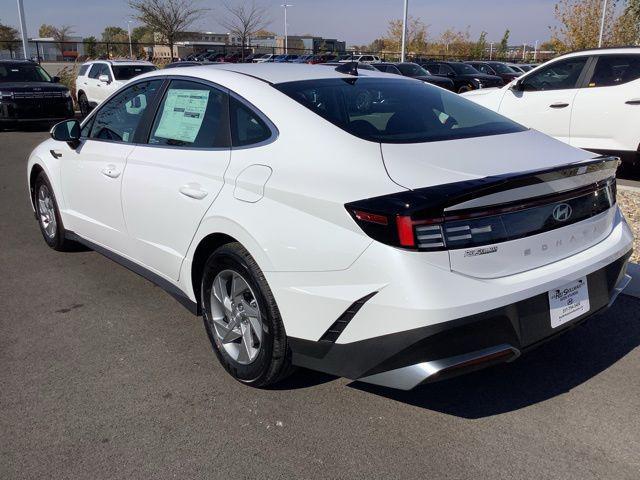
<point x="407" y="219"/>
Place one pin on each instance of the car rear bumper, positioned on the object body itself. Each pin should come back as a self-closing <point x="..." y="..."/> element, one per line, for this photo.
<point x="409" y="358"/>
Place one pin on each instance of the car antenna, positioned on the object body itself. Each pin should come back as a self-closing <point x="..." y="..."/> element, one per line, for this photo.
<point x="349" y="68"/>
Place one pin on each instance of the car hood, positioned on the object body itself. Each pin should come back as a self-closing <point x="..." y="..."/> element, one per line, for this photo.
<point x="434" y="79"/>
<point x="32" y="87"/>
<point x="480" y="92"/>
<point x="419" y="165"/>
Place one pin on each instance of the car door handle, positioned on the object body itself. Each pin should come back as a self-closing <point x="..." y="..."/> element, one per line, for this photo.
<point x="55" y="154"/>
<point x="559" y="105"/>
<point x="111" y="171"/>
<point x="193" y="190"/>
<point x="633" y="101"/>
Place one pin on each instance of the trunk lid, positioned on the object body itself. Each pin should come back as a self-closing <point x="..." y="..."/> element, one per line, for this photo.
<point x="505" y="204"/>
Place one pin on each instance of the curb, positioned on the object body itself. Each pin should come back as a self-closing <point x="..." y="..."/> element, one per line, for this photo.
<point x="628" y="187"/>
<point x="633" y="289"/>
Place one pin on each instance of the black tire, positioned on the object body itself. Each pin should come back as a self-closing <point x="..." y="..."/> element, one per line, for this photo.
<point x="465" y="88"/>
<point x="273" y="361"/>
<point x="57" y="239"/>
<point x="83" y="105"/>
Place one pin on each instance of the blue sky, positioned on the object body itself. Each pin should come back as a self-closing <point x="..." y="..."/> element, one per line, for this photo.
<point x="356" y="21"/>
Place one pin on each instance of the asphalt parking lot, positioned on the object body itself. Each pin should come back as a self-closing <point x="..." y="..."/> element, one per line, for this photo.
<point x="106" y="376"/>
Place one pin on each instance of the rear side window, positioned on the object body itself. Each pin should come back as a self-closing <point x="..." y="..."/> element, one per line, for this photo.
<point x="247" y="128"/>
<point x="393" y="110"/>
<point x="614" y="70"/>
<point x="192" y="115"/>
<point x="127" y="72"/>
<point x="83" y="70"/>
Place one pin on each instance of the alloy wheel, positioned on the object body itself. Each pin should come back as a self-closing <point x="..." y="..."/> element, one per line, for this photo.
<point x="236" y="317"/>
<point x="47" y="212"/>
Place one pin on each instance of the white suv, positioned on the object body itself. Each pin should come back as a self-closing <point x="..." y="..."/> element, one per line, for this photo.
<point x="588" y="99"/>
<point x="97" y="80"/>
<point x="361" y="59"/>
<point x="363" y="224"/>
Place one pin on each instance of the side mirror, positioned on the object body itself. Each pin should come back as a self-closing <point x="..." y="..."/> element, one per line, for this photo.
<point x="104" y="78"/>
<point x="67" y="131"/>
<point x="517" y="86"/>
<point x="55" y="79"/>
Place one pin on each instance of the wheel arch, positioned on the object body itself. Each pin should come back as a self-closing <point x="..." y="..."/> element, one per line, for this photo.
<point x="36" y="168"/>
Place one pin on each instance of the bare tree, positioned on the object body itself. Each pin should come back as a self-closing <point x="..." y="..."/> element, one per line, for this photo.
<point x="61" y="37"/>
<point x="168" y="18"/>
<point x="244" y="19"/>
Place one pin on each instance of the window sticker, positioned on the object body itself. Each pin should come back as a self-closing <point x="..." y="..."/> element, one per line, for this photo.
<point x="182" y="115"/>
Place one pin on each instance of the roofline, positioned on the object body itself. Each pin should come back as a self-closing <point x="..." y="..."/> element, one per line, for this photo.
<point x="600" y="49"/>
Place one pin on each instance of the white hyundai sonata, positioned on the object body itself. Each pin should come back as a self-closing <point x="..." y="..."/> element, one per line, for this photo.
<point x="362" y="224"/>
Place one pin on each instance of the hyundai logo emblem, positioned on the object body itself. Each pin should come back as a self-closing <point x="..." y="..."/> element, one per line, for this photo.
<point x="562" y="212"/>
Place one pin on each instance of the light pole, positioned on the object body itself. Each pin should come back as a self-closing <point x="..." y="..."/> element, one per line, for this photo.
<point x="604" y="13"/>
<point x="491" y="51"/>
<point x="23" y="29"/>
<point x="286" y="40"/>
<point x="129" y="31"/>
<point x="524" y="50"/>
<point x="535" y="52"/>
<point x="404" y="30"/>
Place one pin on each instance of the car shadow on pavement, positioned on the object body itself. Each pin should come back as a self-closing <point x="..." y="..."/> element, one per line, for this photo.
<point x="543" y="373"/>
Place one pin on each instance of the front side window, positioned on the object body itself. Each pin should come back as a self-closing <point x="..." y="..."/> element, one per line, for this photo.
<point x="96" y="70"/>
<point x="484" y="69"/>
<point x="614" y="70"/>
<point x="127" y="72"/>
<point x="23" y="73"/>
<point x="396" y="110"/>
<point x="560" y="75"/>
<point x="247" y="128"/>
<point x="502" y="68"/>
<point x="192" y="115"/>
<point x="119" y="118"/>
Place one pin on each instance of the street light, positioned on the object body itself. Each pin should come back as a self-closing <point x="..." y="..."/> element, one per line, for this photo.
<point x="404" y="30"/>
<point x="130" y="48"/>
<point x="286" y="41"/>
<point x="604" y="13"/>
<point x="23" y="29"/>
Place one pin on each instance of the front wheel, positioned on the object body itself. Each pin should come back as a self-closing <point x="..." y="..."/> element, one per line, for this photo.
<point x="242" y="319"/>
<point x="465" y="88"/>
<point x="83" y="104"/>
<point x="48" y="216"/>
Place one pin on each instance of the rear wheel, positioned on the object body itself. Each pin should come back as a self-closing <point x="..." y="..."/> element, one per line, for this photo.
<point x="48" y="216"/>
<point x="242" y="319"/>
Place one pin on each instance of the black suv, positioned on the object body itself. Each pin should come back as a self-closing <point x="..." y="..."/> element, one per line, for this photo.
<point x="29" y="94"/>
<point x="413" y="70"/>
<point x="499" y="69"/>
<point x="464" y="76"/>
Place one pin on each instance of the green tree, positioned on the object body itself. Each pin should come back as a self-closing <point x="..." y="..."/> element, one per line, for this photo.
<point x="8" y="38"/>
<point x="90" y="46"/>
<point x="504" y="44"/>
<point x="46" y="31"/>
<point x="480" y="46"/>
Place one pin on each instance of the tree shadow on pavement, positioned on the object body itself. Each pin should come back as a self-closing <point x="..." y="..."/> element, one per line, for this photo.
<point x="550" y="370"/>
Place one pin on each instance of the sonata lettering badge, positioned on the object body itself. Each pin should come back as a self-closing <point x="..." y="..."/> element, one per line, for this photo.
<point x="568" y="302"/>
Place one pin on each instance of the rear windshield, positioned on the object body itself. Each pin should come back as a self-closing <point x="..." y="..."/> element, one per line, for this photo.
<point x="127" y="72"/>
<point x="23" y="73"/>
<point x="396" y="110"/>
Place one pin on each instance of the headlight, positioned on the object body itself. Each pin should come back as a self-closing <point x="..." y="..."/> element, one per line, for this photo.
<point x="477" y="80"/>
<point x="6" y="95"/>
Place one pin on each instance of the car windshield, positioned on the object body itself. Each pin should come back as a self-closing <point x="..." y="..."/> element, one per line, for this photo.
<point x="23" y="73"/>
<point x="463" y="69"/>
<point x="502" y="68"/>
<point x="396" y="110"/>
<point x="127" y="72"/>
<point x="412" y="70"/>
